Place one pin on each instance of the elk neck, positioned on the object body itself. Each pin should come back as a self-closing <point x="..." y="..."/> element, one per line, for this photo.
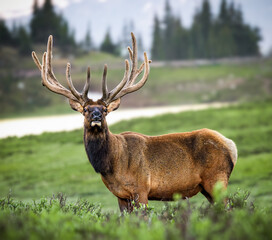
<point x="98" y="145"/>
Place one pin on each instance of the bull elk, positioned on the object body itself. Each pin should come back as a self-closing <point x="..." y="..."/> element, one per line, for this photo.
<point x="133" y="166"/>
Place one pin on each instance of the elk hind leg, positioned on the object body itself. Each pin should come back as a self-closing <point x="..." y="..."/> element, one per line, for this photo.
<point x="207" y="195"/>
<point x="208" y="186"/>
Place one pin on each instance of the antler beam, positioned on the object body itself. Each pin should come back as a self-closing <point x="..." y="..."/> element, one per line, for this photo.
<point x="127" y="84"/>
<point x="50" y="81"/>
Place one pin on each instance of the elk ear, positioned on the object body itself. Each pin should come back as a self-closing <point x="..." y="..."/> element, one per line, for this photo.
<point x="114" y="105"/>
<point x="76" y="106"/>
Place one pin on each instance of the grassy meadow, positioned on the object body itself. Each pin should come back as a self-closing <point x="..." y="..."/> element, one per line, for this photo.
<point x="39" y="166"/>
<point x="36" y="169"/>
<point x="167" y="85"/>
<point x="49" y="190"/>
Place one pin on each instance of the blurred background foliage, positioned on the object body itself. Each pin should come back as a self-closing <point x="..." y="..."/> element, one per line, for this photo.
<point x="175" y="52"/>
<point x="209" y="37"/>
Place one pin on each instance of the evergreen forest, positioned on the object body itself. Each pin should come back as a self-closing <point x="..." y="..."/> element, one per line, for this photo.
<point x="209" y="37"/>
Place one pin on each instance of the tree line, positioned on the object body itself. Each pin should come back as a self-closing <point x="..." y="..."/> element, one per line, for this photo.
<point x="46" y="21"/>
<point x="224" y="35"/>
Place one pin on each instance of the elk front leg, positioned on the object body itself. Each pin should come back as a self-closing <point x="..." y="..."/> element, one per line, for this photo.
<point x="125" y="205"/>
<point x="129" y="204"/>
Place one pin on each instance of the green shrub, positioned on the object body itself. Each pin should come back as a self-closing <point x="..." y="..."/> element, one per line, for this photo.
<point x="56" y="218"/>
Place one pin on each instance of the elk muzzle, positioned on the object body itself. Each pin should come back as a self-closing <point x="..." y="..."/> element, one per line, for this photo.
<point x="96" y="118"/>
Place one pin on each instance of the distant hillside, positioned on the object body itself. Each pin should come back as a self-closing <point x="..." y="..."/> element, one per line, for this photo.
<point x="22" y="92"/>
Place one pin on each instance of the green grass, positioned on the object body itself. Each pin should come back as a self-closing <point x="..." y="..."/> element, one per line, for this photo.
<point x="38" y="166"/>
<point x="56" y="218"/>
<point x="35" y="169"/>
<point x="55" y="109"/>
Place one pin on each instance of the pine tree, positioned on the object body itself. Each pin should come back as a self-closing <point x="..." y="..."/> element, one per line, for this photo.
<point x="209" y="37"/>
<point x="140" y="46"/>
<point x="87" y="44"/>
<point x="168" y="32"/>
<point x="223" y="13"/>
<point x="180" y="41"/>
<point x="201" y="31"/>
<point x="196" y="37"/>
<point x="107" y="44"/>
<point x="46" y="22"/>
<point x="157" y="42"/>
<point x="246" y="38"/>
<point x="35" y="7"/>
<point x="18" y="38"/>
<point x="206" y="25"/>
<point x="177" y="37"/>
<point x="5" y="35"/>
<point x="125" y="40"/>
<point x="24" y="41"/>
<point x="50" y="20"/>
<point x="43" y="21"/>
<point x="225" y="44"/>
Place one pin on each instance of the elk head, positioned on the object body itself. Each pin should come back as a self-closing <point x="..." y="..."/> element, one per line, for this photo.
<point x="94" y="111"/>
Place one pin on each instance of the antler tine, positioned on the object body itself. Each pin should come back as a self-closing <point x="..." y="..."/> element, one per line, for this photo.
<point x="50" y="72"/>
<point x="54" y="88"/>
<point x="50" y="81"/>
<point x="138" y="72"/>
<point x="124" y="87"/>
<point x="119" y="87"/>
<point x="130" y="53"/>
<point x="36" y="60"/>
<point x="134" y="58"/>
<point x="87" y="85"/>
<point x="70" y="83"/>
<point x="80" y="97"/>
<point x="127" y="84"/>
<point x="104" y="84"/>
<point x="48" y="61"/>
<point x="132" y="88"/>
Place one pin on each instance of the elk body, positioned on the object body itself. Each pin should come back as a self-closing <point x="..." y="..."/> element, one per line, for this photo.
<point x="136" y="167"/>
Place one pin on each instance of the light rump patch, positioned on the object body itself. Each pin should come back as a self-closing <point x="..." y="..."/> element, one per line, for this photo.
<point x="230" y="145"/>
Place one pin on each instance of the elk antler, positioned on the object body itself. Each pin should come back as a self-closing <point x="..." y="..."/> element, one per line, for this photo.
<point x="124" y="87"/>
<point x="127" y="84"/>
<point x="50" y="81"/>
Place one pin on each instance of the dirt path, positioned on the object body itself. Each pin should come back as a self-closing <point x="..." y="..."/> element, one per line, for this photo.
<point x="38" y="125"/>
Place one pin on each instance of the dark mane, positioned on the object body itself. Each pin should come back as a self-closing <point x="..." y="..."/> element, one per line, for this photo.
<point x="97" y="149"/>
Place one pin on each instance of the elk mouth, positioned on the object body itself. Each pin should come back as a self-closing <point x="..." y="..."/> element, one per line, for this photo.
<point x="96" y="123"/>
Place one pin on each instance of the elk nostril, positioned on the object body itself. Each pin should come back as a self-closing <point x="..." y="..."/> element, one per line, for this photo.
<point x="97" y="118"/>
<point x="97" y="114"/>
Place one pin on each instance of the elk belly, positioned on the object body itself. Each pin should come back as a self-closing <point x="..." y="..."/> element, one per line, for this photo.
<point x="164" y="191"/>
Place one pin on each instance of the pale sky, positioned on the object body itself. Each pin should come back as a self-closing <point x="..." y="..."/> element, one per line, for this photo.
<point x="101" y="14"/>
<point x="18" y="8"/>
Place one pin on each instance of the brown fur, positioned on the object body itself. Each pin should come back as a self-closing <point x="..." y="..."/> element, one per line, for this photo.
<point x="141" y="168"/>
<point x="138" y="167"/>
